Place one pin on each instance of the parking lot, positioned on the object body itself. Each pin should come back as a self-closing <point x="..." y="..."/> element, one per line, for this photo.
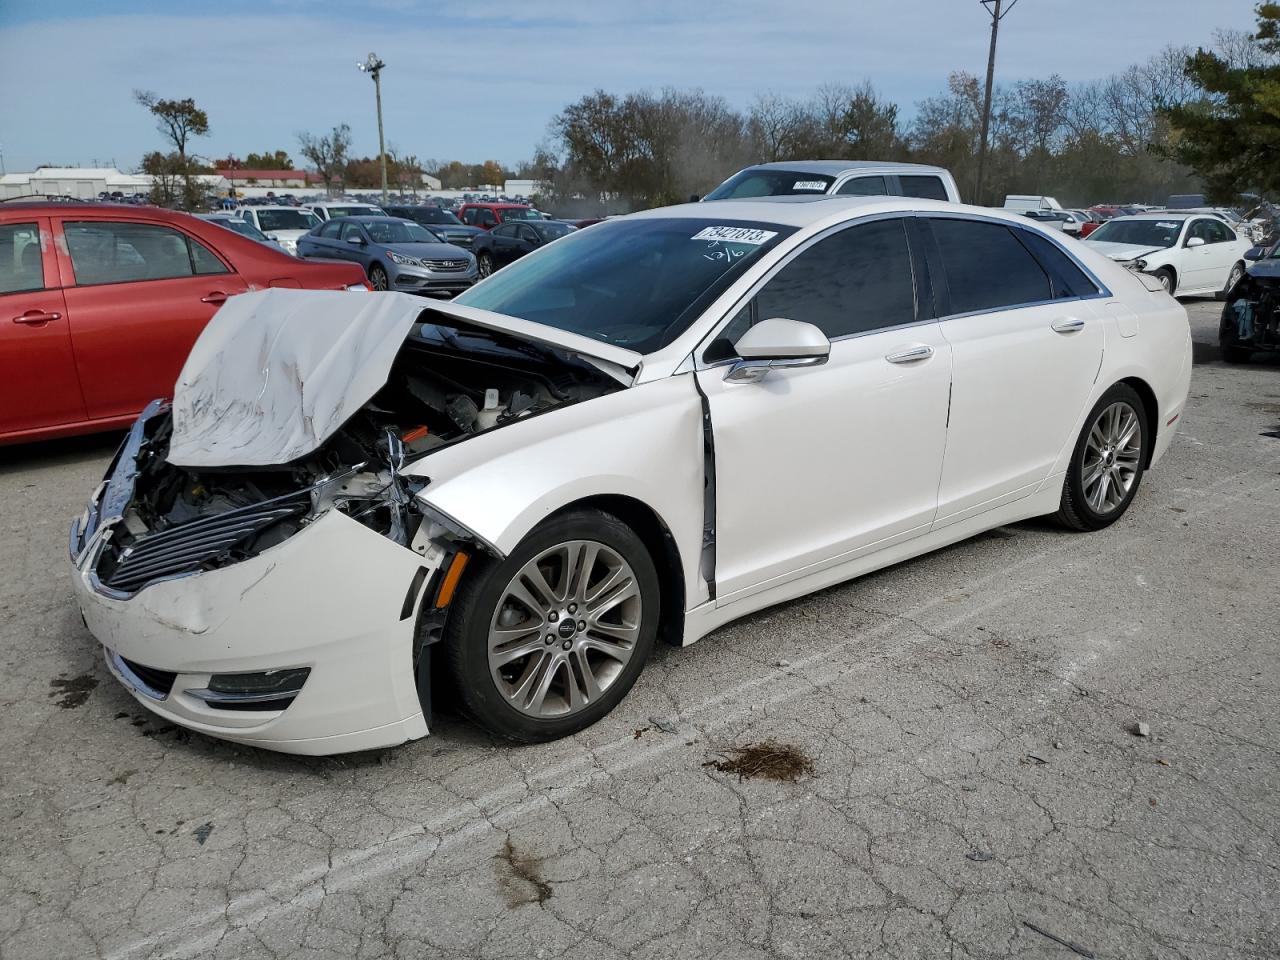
<point x="964" y="775"/>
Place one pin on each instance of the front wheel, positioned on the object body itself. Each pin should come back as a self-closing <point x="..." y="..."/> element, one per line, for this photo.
<point x="1234" y="277"/>
<point x="1107" y="463"/>
<point x="546" y="642"/>
<point x="484" y="263"/>
<point x="1167" y="280"/>
<point x="378" y="277"/>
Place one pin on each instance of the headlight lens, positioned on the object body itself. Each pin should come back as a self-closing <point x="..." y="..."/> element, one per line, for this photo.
<point x="403" y="260"/>
<point x="1139" y="264"/>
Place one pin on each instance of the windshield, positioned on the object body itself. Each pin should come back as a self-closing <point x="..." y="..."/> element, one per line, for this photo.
<point x="770" y="183"/>
<point x="519" y="213"/>
<point x="286" y="220"/>
<point x="550" y="229"/>
<point x="399" y="231"/>
<point x="634" y="283"/>
<point x="435" y="215"/>
<point x="243" y="227"/>
<point x="363" y="210"/>
<point x="1146" y="233"/>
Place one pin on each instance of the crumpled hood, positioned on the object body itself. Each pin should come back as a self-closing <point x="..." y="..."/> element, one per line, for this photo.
<point x="1122" y="251"/>
<point x="277" y="372"/>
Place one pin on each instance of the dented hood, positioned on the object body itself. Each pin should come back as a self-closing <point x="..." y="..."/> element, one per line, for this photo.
<point x="277" y="372"/>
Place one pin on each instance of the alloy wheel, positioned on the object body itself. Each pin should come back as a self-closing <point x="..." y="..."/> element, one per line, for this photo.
<point x="564" y="629"/>
<point x="378" y="278"/>
<point x="1112" y="456"/>
<point x="484" y="265"/>
<point x="1237" y="272"/>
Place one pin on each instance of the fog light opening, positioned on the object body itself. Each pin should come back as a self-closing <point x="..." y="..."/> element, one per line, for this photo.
<point x="268" y="690"/>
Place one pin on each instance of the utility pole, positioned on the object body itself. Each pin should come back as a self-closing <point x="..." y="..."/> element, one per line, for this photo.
<point x="373" y="66"/>
<point x="993" y="8"/>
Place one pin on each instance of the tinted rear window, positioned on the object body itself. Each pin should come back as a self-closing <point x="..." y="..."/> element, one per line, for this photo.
<point x="1068" y="279"/>
<point x="986" y="267"/>
<point x="924" y="186"/>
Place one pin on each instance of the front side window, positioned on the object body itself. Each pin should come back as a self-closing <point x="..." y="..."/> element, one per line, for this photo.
<point x="21" y="264"/>
<point x="851" y="282"/>
<point x="351" y="231"/>
<point x="923" y="186"/>
<point x="863" y="187"/>
<point x="986" y="267"/>
<point x="770" y="183"/>
<point x="504" y="230"/>
<point x="330" y="230"/>
<point x="637" y="283"/>
<point x="269" y="220"/>
<point x="1217" y="232"/>
<point x="116" y="252"/>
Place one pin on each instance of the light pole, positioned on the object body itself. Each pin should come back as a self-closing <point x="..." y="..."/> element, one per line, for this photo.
<point x="373" y="66"/>
<point x="996" y="16"/>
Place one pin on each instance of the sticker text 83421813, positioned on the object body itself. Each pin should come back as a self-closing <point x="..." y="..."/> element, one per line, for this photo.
<point x="750" y="235"/>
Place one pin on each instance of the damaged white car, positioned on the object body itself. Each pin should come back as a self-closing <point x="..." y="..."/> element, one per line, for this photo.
<point x="642" y="430"/>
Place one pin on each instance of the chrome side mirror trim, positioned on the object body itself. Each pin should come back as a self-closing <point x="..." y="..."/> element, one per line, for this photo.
<point x="753" y="371"/>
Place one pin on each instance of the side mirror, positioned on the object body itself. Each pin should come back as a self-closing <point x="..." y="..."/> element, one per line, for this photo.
<point x="777" y="342"/>
<point x="1196" y="242"/>
<point x="272" y="236"/>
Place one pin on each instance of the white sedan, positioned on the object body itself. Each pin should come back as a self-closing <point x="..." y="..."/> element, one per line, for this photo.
<point x="1190" y="254"/>
<point x="640" y="431"/>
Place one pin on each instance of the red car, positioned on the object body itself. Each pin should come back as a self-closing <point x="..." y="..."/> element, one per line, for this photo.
<point x="486" y="215"/>
<point x="101" y="305"/>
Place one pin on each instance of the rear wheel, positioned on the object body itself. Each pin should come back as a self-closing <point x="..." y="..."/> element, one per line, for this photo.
<point x="546" y="642"/>
<point x="378" y="277"/>
<point x="484" y="263"/>
<point x="1108" y="461"/>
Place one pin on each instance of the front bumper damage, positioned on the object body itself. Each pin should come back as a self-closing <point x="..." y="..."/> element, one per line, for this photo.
<point x="337" y="604"/>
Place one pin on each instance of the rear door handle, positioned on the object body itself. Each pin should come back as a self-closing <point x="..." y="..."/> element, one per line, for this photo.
<point x="37" y="318"/>
<point x="216" y="297"/>
<point x="1068" y="325"/>
<point x="911" y="354"/>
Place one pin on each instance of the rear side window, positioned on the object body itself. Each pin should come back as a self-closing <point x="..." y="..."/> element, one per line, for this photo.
<point x="925" y="187"/>
<point x="21" y="267"/>
<point x="853" y="281"/>
<point x="863" y="187"/>
<point x="114" y="252"/>
<point x="1067" y="279"/>
<point x="986" y="267"/>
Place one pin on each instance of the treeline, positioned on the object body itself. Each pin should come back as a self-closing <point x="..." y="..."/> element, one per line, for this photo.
<point x="1107" y="140"/>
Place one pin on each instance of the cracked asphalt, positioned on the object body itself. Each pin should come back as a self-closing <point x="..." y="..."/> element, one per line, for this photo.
<point x="967" y="716"/>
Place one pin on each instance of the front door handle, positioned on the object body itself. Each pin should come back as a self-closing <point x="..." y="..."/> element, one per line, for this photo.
<point x="912" y="354"/>
<point x="37" y="318"/>
<point x="216" y="297"/>
<point x="1068" y="325"/>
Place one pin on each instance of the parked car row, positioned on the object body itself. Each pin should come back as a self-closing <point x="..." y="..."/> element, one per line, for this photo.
<point x="103" y="302"/>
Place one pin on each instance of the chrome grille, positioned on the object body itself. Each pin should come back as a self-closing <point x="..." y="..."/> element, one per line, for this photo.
<point x="446" y="264"/>
<point x="185" y="548"/>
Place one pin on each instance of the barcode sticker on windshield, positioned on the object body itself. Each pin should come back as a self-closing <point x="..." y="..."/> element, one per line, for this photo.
<point x="810" y="185"/>
<point x="735" y="235"/>
<point x="1168" y="224"/>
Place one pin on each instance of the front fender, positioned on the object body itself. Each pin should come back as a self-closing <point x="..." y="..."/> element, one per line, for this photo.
<point x="644" y="442"/>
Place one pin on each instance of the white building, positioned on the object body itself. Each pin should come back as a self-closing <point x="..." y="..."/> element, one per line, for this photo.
<point x="84" y="183"/>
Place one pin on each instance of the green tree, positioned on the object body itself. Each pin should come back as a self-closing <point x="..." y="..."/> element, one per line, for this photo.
<point x="269" y="160"/>
<point x="178" y="121"/>
<point x="328" y="154"/>
<point x="1230" y="134"/>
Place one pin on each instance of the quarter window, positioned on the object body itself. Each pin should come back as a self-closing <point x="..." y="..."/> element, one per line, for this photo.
<point x="863" y="187"/>
<point x="115" y="252"/>
<point x="986" y="267"/>
<point x="925" y="187"/>
<point x="1067" y="279"/>
<point x="21" y="267"/>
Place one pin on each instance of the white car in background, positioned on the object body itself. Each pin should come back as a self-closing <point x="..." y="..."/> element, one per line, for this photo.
<point x="1190" y="254"/>
<point x="841" y="178"/>
<point x="332" y="209"/>
<point x="643" y="430"/>
<point x="282" y="224"/>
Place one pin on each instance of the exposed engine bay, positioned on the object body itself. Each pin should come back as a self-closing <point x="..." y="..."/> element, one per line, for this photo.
<point x="447" y="383"/>
<point x="1251" y="317"/>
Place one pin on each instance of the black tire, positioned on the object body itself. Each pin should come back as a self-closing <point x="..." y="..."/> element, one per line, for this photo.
<point x="475" y="605"/>
<point x="1234" y="277"/>
<point x="1167" y="277"/>
<point x="378" y="277"/>
<point x="1075" y="510"/>
<point x="484" y="263"/>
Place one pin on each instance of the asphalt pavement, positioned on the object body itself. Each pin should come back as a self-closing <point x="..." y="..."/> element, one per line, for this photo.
<point x="942" y="759"/>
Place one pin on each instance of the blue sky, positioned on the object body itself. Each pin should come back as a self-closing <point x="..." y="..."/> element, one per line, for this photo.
<point x="481" y="81"/>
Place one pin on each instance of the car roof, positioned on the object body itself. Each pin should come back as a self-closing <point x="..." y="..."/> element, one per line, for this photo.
<point x="270" y="206"/>
<point x="364" y="221"/>
<point x="802" y="210"/>
<point x="1166" y="215"/>
<point x="502" y="204"/>
<point x="834" y="168"/>
<point x="340" y="203"/>
<point x="94" y="209"/>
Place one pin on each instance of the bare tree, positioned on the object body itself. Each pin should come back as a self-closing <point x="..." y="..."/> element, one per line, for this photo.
<point x="328" y="154"/>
